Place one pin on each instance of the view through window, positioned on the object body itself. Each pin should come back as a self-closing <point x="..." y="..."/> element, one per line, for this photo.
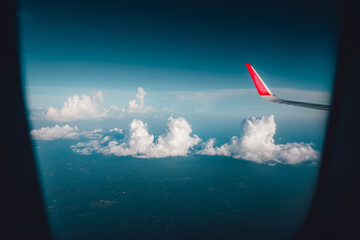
<point x="146" y="123"/>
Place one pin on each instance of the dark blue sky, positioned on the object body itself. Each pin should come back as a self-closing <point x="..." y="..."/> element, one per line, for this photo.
<point x="171" y="45"/>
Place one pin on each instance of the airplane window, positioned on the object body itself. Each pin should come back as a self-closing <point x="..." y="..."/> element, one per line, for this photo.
<point x="177" y="120"/>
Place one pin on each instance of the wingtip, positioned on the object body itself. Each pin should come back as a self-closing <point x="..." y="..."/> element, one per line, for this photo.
<point x="261" y="87"/>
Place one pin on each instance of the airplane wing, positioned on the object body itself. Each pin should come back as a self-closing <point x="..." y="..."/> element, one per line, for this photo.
<point x="266" y="94"/>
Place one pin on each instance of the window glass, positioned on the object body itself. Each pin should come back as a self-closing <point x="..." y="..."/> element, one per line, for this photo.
<point x="146" y="123"/>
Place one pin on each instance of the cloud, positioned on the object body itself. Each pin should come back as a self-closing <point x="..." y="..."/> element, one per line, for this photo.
<point x="115" y="108"/>
<point x="119" y="130"/>
<point x="138" y="142"/>
<point x="56" y="132"/>
<point x="77" y="108"/>
<point x="257" y="144"/>
<point x="140" y="107"/>
<point x="66" y="131"/>
<point x="95" y="133"/>
<point x="208" y="149"/>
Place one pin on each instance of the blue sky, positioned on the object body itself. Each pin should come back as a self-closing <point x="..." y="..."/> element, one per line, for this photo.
<point x="189" y="58"/>
<point x="162" y="46"/>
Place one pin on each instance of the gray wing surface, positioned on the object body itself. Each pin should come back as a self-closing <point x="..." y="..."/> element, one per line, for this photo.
<point x="275" y="99"/>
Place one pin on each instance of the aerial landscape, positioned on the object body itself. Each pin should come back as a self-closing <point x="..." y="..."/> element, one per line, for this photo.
<point x="146" y="123"/>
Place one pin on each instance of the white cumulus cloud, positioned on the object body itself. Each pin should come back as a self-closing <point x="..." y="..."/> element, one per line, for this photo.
<point x="177" y="140"/>
<point x="51" y="133"/>
<point x="257" y="144"/>
<point x="66" y="131"/>
<point x="138" y="142"/>
<point x="77" y="108"/>
<point x="139" y="107"/>
<point x="119" y="130"/>
<point x="94" y="134"/>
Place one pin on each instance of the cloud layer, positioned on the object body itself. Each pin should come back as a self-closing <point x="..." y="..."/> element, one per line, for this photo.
<point x="56" y="132"/>
<point x="77" y="108"/>
<point x="66" y="131"/>
<point x="138" y="142"/>
<point x="257" y="144"/>
<point x="86" y="107"/>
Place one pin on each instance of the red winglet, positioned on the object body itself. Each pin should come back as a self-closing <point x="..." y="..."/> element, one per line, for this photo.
<point x="259" y="84"/>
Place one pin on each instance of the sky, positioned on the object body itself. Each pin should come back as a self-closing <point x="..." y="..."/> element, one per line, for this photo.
<point x="105" y="64"/>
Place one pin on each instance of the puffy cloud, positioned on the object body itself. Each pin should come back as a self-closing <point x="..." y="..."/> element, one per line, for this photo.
<point x="138" y="142"/>
<point x="141" y="96"/>
<point x="86" y="148"/>
<point x="95" y="133"/>
<point x="140" y="107"/>
<point x="86" y="107"/>
<point x="257" y="144"/>
<point x="51" y="133"/>
<point x="177" y="140"/>
<point x="105" y="139"/>
<point x="115" y="108"/>
<point x="119" y="130"/>
<point x="66" y="131"/>
<point x="76" y="108"/>
<point x="209" y="149"/>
